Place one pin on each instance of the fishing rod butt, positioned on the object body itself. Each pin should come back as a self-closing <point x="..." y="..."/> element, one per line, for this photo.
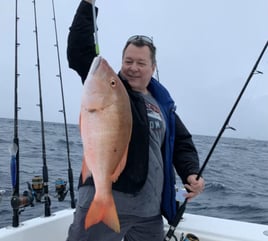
<point x="47" y="210"/>
<point x="170" y="233"/>
<point x="71" y="187"/>
<point x="175" y="222"/>
<point x="73" y="204"/>
<point x="15" y="218"/>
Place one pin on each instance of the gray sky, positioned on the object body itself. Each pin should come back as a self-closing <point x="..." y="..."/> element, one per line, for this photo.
<point x="205" y="50"/>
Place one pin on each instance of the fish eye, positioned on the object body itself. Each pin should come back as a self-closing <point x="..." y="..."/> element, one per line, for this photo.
<point x="113" y="82"/>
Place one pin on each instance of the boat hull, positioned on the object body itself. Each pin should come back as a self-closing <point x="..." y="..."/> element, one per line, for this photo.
<point x="205" y="228"/>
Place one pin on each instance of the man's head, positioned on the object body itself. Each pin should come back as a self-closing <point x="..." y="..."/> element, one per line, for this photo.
<point x="140" y="41"/>
<point x="138" y="62"/>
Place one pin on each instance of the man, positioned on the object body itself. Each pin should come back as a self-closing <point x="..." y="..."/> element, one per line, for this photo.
<point x="159" y="143"/>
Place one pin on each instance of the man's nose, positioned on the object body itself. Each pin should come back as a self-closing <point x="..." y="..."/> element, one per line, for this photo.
<point x="134" y="66"/>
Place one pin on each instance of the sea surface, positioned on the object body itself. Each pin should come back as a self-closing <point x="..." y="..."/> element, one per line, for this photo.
<point x="236" y="174"/>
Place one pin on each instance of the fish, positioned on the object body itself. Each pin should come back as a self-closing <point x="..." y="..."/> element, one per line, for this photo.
<point x="105" y="128"/>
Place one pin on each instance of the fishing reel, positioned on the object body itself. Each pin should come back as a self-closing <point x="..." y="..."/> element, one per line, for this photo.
<point x="38" y="188"/>
<point x="60" y="188"/>
<point x="188" y="237"/>
<point x="24" y="200"/>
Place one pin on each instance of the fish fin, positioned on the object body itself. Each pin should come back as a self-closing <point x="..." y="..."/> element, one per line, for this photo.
<point x="103" y="211"/>
<point x="120" y="167"/>
<point x="85" y="171"/>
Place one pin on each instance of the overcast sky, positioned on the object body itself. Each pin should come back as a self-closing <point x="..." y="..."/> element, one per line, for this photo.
<point x="205" y="51"/>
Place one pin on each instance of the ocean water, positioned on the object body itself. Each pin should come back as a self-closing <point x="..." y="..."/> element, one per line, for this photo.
<point x="236" y="174"/>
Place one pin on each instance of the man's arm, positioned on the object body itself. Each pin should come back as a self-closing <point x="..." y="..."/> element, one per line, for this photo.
<point x="81" y="44"/>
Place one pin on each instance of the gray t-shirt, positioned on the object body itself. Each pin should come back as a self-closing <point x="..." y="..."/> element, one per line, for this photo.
<point x="148" y="201"/>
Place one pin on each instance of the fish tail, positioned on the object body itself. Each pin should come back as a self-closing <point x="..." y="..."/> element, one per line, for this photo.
<point x="103" y="211"/>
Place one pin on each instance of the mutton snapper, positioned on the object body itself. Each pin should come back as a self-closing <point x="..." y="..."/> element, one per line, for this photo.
<point x="105" y="125"/>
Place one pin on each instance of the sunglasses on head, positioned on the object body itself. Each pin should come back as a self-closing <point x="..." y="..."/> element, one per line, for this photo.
<point x="144" y="38"/>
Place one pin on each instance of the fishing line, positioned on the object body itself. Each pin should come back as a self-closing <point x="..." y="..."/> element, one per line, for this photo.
<point x="70" y="171"/>
<point x="47" y="201"/>
<point x="181" y="208"/>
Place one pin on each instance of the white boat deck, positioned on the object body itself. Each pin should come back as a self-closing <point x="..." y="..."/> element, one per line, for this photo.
<point x="205" y="228"/>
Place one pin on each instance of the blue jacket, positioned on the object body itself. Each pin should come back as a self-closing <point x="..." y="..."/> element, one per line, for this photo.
<point x="167" y="106"/>
<point x="178" y="149"/>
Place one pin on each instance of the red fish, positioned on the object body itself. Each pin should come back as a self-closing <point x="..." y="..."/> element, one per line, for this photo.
<point x="105" y="125"/>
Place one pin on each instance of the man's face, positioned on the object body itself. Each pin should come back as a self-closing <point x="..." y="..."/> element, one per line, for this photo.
<point x="137" y="67"/>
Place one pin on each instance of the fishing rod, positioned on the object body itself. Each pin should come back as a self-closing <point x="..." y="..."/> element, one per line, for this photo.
<point x="156" y="65"/>
<point x="182" y="208"/>
<point x="97" y="48"/>
<point x="157" y="72"/>
<point x="47" y="201"/>
<point x="18" y="202"/>
<point x="14" y="149"/>
<point x="70" y="171"/>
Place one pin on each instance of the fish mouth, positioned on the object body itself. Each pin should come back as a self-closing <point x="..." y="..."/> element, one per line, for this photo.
<point x="95" y="64"/>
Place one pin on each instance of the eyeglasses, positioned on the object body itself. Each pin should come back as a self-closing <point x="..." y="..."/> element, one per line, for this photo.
<point x="144" y="38"/>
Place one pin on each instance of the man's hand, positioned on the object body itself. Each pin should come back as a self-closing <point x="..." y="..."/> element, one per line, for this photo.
<point x="195" y="187"/>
